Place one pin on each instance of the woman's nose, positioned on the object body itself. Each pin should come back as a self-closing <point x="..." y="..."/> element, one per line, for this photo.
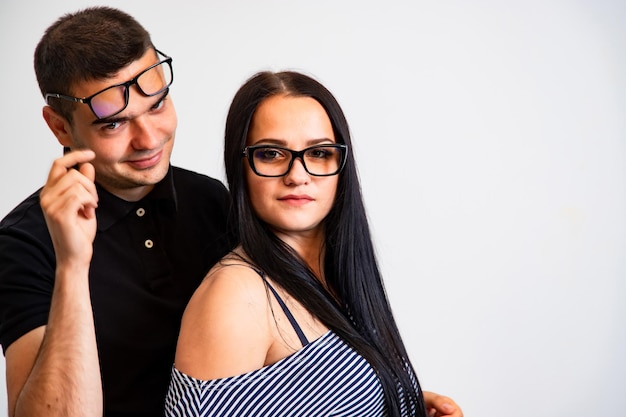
<point x="297" y="174"/>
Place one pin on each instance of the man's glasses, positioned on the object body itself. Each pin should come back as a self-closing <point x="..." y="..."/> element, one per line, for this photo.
<point x="112" y="100"/>
<point x="276" y="161"/>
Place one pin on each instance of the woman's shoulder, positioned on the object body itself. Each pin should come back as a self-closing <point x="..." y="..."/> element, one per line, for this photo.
<point x="232" y="295"/>
<point x="224" y="330"/>
<point x="233" y="278"/>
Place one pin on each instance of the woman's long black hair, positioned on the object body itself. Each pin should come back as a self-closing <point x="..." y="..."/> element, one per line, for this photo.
<point x="356" y="308"/>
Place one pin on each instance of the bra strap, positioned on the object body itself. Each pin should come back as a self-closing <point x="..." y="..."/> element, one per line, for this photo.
<point x="292" y="320"/>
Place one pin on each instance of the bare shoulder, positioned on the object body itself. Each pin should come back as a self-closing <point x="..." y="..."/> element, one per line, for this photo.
<point x="225" y="331"/>
<point x="232" y="281"/>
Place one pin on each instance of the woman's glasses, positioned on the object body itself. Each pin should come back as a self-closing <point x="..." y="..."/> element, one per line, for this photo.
<point x="276" y="161"/>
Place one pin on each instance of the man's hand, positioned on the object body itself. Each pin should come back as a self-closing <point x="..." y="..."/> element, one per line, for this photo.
<point x="69" y="200"/>
<point x="441" y="406"/>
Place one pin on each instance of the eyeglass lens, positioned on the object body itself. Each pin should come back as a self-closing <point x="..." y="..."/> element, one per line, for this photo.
<point x="318" y="160"/>
<point x="114" y="99"/>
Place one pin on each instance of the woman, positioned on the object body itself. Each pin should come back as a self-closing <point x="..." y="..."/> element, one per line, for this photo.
<point x="295" y="321"/>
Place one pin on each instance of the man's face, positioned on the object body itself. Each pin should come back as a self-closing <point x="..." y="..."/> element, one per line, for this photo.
<point x="133" y="148"/>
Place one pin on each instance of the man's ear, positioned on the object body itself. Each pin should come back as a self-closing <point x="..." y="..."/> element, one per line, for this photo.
<point x="59" y="125"/>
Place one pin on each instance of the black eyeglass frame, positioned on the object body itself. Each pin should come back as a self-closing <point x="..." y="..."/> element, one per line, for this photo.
<point x="127" y="85"/>
<point x="248" y="153"/>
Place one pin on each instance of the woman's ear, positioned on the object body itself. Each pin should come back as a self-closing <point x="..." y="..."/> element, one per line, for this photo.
<point x="59" y="125"/>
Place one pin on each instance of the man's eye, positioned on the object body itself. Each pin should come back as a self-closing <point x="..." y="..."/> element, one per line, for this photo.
<point x="158" y="104"/>
<point x="111" y="126"/>
<point x="161" y="102"/>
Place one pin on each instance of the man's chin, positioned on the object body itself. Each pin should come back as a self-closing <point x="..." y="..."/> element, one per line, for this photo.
<point x="135" y="185"/>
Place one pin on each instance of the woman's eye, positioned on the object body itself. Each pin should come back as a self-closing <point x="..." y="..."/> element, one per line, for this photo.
<point x="319" y="153"/>
<point x="268" y="154"/>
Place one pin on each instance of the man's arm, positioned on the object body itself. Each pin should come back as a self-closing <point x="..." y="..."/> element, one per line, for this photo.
<point x="54" y="370"/>
<point x="441" y="406"/>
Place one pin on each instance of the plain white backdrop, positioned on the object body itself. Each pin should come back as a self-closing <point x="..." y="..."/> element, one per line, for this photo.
<point x="491" y="142"/>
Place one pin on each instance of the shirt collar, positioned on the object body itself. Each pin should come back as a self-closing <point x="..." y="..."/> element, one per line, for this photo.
<point x="111" y="208"/>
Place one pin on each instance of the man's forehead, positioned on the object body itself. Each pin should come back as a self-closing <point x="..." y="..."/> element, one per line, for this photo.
<point x="86" y="88"/>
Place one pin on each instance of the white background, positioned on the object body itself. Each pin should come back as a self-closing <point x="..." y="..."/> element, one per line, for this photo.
<point x="491" y="143"/>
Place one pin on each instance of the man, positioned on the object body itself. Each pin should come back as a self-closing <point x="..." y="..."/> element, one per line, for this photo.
<point x="96" y="267"/>
<point x="92" y="288"/>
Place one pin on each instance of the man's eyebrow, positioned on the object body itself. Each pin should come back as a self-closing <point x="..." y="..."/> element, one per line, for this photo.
<point x="109" y="121"/>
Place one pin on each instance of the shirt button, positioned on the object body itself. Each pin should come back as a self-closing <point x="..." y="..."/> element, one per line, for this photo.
<point x="149" y="243"/>
<point x="140" y="212"/>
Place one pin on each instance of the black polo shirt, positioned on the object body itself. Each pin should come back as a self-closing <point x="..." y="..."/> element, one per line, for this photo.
<point x="149" y="256"/>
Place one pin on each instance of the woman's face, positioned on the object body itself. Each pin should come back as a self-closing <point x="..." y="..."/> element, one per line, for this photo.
<point x="295" y="204"/>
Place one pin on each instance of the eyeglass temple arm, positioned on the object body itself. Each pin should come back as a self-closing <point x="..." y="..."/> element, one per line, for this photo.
<point x="56" y="95"/>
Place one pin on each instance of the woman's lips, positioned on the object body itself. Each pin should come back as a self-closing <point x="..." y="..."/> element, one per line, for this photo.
<point x="296" y="200"/>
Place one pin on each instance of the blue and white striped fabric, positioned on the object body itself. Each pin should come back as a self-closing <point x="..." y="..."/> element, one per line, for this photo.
<point x="324" y="378"/>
